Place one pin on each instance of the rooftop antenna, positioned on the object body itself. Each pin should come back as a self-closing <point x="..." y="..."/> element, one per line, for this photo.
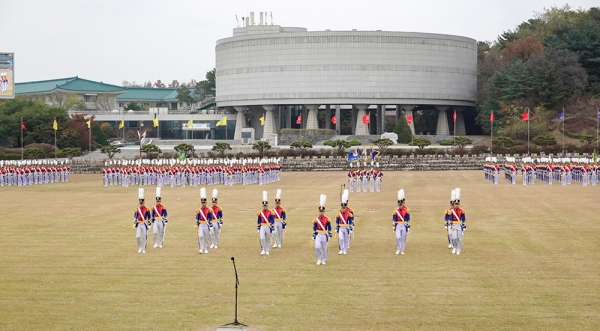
<point x="237" y="21"/>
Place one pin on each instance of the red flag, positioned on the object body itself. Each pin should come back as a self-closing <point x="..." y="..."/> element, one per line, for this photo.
<point x="409" y="119"/>
<point x="366" y="119"/>
<point x="492" y="118"/>
<point x="333" y="119"/>
<point x="525" y="116"/>
<point x="299" y="119"/>
<point x="23" y="125"/>
<point x="454" y="116"/>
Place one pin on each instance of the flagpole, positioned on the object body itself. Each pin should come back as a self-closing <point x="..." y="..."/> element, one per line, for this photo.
<point x="54" y="140"/>
<point x="90" y="130"/>
<point x="528" y="119"/>
<point x="492" y="130"/>
<point x="22" y="145"/>
<point x="597" y="122"/>
<point x="563" y="120"/>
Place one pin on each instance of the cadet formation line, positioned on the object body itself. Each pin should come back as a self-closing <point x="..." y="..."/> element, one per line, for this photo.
<point x="271" y="224"/>
<point x="33" y="172"/>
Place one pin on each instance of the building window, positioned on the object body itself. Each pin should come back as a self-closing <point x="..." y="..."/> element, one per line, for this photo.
<point x="90" y="98"/>
<point x="146" y="104"/>
<point x="173" y="105"/>
<point x="159" y="104"/>
<point x="121" y="105"/>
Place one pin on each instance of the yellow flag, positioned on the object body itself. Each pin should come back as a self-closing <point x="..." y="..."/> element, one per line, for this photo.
<point x="155" y="121"/>
<point x="222" y="122"/>
<point x="122" y="124"/>
<point x="262" y="120"/>
<point x="89" y="123"/>
<point x="55" y="125"/>
<point x="190" y="123"/>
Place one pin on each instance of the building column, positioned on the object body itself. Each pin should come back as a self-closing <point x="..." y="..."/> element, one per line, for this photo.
<point x="362" y="129"/>
<point x="442" y="128"/>
<point x="304" y="113"/>
<point x="287" y="111"/>
<point x="311" y="121"/>
<point x="398" y="113"/>
<point x="328" y="117"/>
<point x="460" y="121"/>
<point x="239" y="122"/>
<point x="269" y="128"/>
<point x="337" y="120"/>
<point x="407" y="111"/>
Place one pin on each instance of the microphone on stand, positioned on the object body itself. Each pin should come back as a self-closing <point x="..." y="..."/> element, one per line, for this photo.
<point x="237" y="282"/>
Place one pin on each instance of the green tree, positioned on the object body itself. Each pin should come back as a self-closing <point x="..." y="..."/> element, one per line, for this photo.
<point x="133" y="106"/>
<point x="98" y="135"/>
<point x="302" y="146"/>
<point x="38" y="118"/>
<point x="587" y="139"/>
<point x="341" y="146"/>
<point x="503" y="141"/>
<point x="403" y="131"/>
<point x="383" y="143"/>
<point x="221" y="148"/>
<point x="71" y="152"/>
<point x="209" y="84"/>
<point x="420" y="142"/>
<point x="544" y="140"/>
<point x="152" y="151"/>
<point x="261" y="147"/>
<point x="184" y="95"/>
<point x="110" y="150"/>
<point x="461" y="142"/>
<point x="186" y="149"/>
<point x="34" y="153"/>
<point x="517" y="81"/>
<point x="107" y="129"/>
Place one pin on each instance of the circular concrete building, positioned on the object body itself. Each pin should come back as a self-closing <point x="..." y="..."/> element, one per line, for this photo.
<point x="281" y="70"/>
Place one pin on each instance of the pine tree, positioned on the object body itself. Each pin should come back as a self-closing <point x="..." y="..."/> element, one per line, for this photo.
<point x="403" y="131"/>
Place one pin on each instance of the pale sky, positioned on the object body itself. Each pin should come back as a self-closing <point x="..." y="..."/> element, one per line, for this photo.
<point x="142" y="40"/>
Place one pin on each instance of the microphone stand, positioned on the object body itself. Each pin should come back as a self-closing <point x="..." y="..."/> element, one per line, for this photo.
<point x="237" y="282"/>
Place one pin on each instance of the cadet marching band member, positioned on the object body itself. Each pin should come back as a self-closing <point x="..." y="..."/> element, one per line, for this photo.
<point x="203" y="222"/>
<point x="378" y="178"/>
<point x="371" y="179"/>
<point x="141" y="222"/>
<point x="218" y="218"/>
<point x="344" y="219"/>
<point x="265" y="222"/>
<point x="159" y="219"/>
<point x="322" y="231"/>
<point x="366" y="175"/>
<point x="455" y="222"/>
<point x="351" y="211"/>
<point x="279" y="216"/>
<point x="401" y="218"/>
<point x="358" y="178"/>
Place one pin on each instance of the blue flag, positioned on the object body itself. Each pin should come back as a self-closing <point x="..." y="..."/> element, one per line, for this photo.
<point x="598" y="113"/>
<point x="374" y="154"/>
<point x="353" y="156"/>
<point x="561" y="116"/>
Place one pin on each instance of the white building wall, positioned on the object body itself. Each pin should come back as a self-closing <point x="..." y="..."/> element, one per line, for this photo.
<point x="346" y="67"/>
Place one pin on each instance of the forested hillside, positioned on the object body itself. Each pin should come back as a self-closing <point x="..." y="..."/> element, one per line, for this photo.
<point x="548" y="63"/>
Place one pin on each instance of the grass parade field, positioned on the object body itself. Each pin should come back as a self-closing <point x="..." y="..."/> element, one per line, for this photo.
<point x="530" y="259"/>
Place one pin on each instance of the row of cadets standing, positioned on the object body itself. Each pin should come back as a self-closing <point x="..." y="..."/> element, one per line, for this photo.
<point x="455" y="222"/>
<point x="368" y="179"/>
<point x="141" y="222"/>
<point x="401" y="223"/>
<point x="345" y="222"/>
<point x="321" y="231"/>
<point x="491" y="170"/>
<point x="29" y="172"/>
<point x="510" y="170"/>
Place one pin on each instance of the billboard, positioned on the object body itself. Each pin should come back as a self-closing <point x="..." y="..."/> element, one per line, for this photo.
<point x="7" y="75"/>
